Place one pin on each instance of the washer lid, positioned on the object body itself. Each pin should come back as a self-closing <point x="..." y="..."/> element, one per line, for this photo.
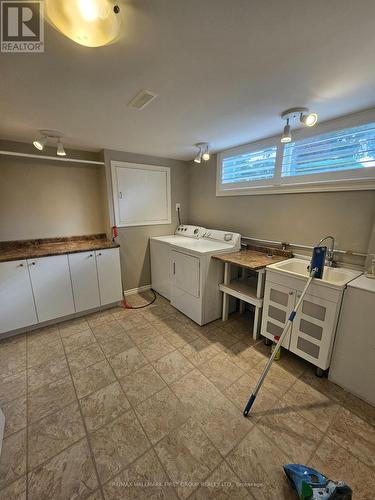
<point x="363" y="283"/>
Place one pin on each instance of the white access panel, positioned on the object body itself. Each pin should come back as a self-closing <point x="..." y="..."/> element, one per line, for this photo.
<point x="185" y="273"/>
<point x="50" y="279"/>
<point x="141" y="194"/>
<point x="17" y="308"/>
<point x="161" y="268"/>
<point x="109" y="275"/>
<point x="84" y="280"/>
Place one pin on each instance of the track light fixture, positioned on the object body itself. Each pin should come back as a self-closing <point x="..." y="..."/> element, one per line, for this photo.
<point x="203" y="153"/>
<point x="50" y="134"/>
<point x="297" y="114"/>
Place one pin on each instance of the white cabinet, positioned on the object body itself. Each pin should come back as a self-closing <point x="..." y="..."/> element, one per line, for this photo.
<point x="278" y="303"/>
<point x="52" y="287"/>
<point x="109" y="275"/>
<point x="17" y="308"/>
<point x="185" y="273"/>
<point x="84" y="280"/>
<point x="313" y="330"/>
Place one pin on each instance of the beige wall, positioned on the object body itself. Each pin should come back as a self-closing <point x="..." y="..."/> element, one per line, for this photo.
<point x="298" y="218"/>
<point x="134" y="241"/>
<point x="44" y="198"/>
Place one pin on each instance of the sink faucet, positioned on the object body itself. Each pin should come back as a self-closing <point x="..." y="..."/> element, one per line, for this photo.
<point x="331" y="250"/>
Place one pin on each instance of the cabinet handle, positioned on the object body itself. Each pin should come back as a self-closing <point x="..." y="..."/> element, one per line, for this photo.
<point x="99" y="253"/>
<point x="90" y="255"/>
<point x="291" y="293"/>
<point x="174" y="267"/>
<point x="20" y="265"/>
<point x="32" y="264"/>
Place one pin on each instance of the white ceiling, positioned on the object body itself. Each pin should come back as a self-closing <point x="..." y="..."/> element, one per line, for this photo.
<point x="223" y="69"/>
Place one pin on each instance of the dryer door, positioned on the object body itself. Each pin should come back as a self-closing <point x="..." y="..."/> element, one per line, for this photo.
<point x="186" y="273"/>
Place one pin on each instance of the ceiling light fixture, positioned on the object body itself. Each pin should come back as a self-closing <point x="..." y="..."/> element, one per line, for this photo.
<point x="92" y="23"/>
<point x="297" y="114"/>
<point x="40" y="143"/>
<point x="50" y="134"/>
<point x="60" y="148"/>
<point x="203" y="153"/>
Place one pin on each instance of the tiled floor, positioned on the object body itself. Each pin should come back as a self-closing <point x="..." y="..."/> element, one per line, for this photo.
<point x="146" y="404"/>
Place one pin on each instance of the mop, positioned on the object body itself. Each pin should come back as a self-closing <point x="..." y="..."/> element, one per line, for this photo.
<point x="309" y="483"/>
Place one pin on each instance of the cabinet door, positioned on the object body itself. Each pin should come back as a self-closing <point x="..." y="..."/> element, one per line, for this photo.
<point x="84" y="280"/>
<point x="17" y="308"/>
<point x="185" y="273"/>
<point x="277" y="306"/>
<point x="314" y="330"/>
<point x="109" y="275"/>
<point x="52" y="287"/>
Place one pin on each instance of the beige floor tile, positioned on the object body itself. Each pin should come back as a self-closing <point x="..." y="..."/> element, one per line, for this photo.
<point x="336" y="463"/>
<point x="222" y="484"/>
<point x="147" y="477"/>
<point x="116" y="343"/>
<point x="199" y="351"/>
<point x="50" y="398"/>
<point x="38" y="354"/>
<point x="84" y="357"/>
<point x="69" y="475"/>
<point x="258" y="461"/>
<point x="104" y="331"/>
<point x="181" y="337"/>
<point x="15" y="491"/>
<point x="360" y="408"/>
<point x="104" y="405"/>
<point x="278" y="380"/>
<point x="160" y="414"/>
<point x="15" y="415"/>
<point x="220" y="419"/>
<point x="54" y="433"/>
<point x="98" y="318"/>
<point x="118" y="444"/>
<point x="188" y="456"/>
<point x="354" y="434"/>
<point x="47" y="372"/>
<point x="220" y="338"/>
<point x="156" y="348"/>
<point x="12" y="386"/>
<point x="293" y="434"/>
<point x="221" y="371"/>
<point x="127" y="361"/>
<point x="73" y="326"/>
<point x="78" y="340"/>
<point x="143" y="333"/>
<point x="239" y="393"/>
<point x="12" y="361"/>
<point x="323" y="385"/>
<point x="47" y="334"/>
<point x="141" y="384"/>
<point x="173" y="366"/>
<point x="97" y="495"/>
<point x="13" y="458"/>
<point x="311" y="404"/>
<point x="244" y="356"/>
<point x="92" y="378"/>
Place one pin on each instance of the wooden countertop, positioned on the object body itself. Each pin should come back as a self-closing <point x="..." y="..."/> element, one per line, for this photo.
<point x="251" y="259"/>
<point x="32" y="249"/>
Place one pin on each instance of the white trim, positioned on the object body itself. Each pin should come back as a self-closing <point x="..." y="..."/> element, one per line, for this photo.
<point x="133" y="291"/>
<point x="344" y="181"/>
<point x="115" y="192"/>
<point x="55" y="158"/>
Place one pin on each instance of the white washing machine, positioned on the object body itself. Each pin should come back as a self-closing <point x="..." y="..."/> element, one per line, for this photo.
<point x="182" y="269"/>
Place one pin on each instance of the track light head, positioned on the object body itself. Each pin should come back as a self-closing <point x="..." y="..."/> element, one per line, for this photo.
<point x="286" y="137"/>
<point x="309" y="119"/>
<point x="60" y="148"/>
<point x="204" y="152"/>
<point x="40" y="143"/>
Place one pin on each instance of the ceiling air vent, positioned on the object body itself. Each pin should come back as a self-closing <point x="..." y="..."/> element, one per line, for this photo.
<point x="142" y="99"/>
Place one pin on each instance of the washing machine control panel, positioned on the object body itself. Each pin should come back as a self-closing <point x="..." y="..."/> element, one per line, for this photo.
<point x="190" y="231"/>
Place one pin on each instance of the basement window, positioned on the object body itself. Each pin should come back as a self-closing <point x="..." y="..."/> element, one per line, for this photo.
<point x="336" y="160"/>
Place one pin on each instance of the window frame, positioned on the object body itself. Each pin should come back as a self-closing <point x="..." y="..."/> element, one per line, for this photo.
<point x="349" y="180"/>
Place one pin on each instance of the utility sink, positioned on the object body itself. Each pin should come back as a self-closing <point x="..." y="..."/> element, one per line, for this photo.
<point x="337" y="277"/>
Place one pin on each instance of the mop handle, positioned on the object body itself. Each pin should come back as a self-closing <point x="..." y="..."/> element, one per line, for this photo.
<point x="278" y="345"/>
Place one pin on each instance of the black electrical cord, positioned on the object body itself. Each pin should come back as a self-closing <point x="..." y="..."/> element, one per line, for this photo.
<point x="178" y="215"/>
<point x="145" y="305"/>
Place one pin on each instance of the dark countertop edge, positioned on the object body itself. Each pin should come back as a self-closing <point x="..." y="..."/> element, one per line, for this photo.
<point x="58" y="252"/>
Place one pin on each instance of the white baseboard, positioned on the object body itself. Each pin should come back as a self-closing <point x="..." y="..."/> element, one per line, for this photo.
<point x="139" y="289"/>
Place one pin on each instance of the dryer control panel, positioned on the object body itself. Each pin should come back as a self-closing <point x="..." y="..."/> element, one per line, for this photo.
<point x="233" y="239"/>
<point x="190" y="231"/>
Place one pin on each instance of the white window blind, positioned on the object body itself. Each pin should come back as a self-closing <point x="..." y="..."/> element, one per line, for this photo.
<point x="347" y="149"/>
<point x="249" y="166"/>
